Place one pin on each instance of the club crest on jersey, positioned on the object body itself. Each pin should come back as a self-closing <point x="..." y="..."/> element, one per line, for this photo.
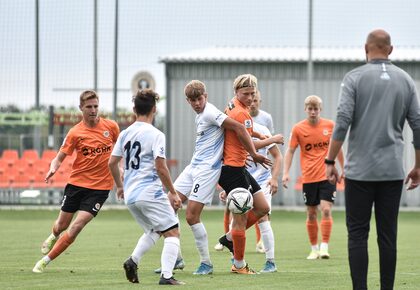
<point x="106" y="134"/>
<point x="325" y="132"/>
<point x="248" y="124"/>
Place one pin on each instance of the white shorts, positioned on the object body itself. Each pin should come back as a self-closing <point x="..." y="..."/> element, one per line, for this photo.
<point x="154" y="215"/>
<point x="198" y="184"/>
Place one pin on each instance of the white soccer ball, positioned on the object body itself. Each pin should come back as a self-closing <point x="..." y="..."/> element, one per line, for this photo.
<point x="239" y="200"/>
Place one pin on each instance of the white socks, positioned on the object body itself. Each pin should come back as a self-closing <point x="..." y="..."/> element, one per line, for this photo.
<point x="202" y="243"/>
<point x="169" y="255"/>
<point x="267" y="237"/>
<point x="145" y="243"/>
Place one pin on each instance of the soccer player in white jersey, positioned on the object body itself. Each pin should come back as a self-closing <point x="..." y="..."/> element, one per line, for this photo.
<point x="268" y="180"/>
<point x="198" y="180"/>
<point x="142" y="148"/>
<point x="259" y="116"/>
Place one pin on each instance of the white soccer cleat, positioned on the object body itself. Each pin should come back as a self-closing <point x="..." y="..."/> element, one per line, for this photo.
<point x="40" y="266"/>
<point x="260" y="247"/>
<point x="48" y="244"/>
<point x="219" y="247"/>
<point x="313" y="255"/>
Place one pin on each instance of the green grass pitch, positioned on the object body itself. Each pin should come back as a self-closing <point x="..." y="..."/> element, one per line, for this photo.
<point x="95" y="260"/>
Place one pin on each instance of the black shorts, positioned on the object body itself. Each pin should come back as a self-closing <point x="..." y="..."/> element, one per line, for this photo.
<point x="314" y="192"/>
<point x="234" y="177"/>
<point x="79" y="198"/>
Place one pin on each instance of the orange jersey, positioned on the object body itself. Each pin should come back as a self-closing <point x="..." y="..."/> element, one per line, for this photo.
<point x="313" y="141"/>
<point x="234" y="154"/>
<point x="93" y="147"/>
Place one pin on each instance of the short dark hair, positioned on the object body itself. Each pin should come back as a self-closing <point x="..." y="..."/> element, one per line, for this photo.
<point x="144" y="101"/>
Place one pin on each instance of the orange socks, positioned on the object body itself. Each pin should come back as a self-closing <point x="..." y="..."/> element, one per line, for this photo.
<point x="252" y="218"/>
<point x="257" y="232"/>
<point x="326" y="227"/>
<point x="62" y="244"/>
<point x="312" y="228"/>
<point x="226" y="221"/>
<point x="239" y="242"/>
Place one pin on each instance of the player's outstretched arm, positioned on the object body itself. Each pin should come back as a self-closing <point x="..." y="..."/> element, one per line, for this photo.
<point x="277" y="139"/>
<point x="246" y="140"/>
<point x="55" y="164"/>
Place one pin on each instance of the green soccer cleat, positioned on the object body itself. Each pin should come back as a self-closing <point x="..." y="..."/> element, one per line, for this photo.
<point x="48" y="244"/>
<point x="40" y="266"/>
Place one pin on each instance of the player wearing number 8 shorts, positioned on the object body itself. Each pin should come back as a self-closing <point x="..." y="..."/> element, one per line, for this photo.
<point x="198" y="181"/>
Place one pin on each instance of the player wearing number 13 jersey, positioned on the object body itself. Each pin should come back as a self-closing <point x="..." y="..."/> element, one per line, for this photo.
<point x="142" y="149"/>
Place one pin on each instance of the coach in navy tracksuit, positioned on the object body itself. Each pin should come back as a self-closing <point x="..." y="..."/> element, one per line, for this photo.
<point x="375" y="100"/>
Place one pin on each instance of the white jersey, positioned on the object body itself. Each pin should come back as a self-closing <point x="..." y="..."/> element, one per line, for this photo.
<point x="265" y="119"/>
<point x="210" y="138"/>
<point x="139" y="145"/>
<point x="261" y="174"/>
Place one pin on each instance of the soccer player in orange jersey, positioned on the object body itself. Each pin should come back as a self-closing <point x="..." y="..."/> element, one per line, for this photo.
<point x="234" y="173"/>
<point x="90" y="180"/>
<point x="313" y="136"/>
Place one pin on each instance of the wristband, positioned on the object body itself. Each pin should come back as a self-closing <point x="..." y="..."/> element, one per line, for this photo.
<point x="329" y="162"/>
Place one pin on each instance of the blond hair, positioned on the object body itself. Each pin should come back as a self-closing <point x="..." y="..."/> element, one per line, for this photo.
<point x="194" y="89"/>
<point x="87" y="95"/>
<point x="314" y="101"/>
<point x="245" y="81"/>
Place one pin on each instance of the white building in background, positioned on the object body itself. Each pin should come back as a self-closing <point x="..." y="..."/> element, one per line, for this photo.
<point x="282" y="76"/>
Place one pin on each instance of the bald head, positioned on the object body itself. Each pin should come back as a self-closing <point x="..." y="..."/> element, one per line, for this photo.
<point x="378" y="45"/>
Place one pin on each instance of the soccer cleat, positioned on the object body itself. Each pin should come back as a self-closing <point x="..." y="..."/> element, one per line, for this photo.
<point x="219" y="247"/>
<point x="131" y="270"/>
<point x="323" y="254"/>
<point x="179" y="265"/>
<point x="225" y="242"/>
<point x="260" y="247"/>
<point x="313" y="255"/>
<point x="269" y="267"/>
<point x="244" y="270"/>
<point x="39" y="266"/>
<point x="48" y="244"/>
<point x="204" y="269"/>
<point x="169" y="281"/>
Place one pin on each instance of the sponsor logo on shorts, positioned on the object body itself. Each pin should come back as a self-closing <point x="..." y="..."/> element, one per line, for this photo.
<point x="97" y="207"/>
<point x="334" y="195"/>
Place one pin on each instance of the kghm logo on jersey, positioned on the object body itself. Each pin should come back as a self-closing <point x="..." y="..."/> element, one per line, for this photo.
<point x="95" y="151"/>
<point x="318" y="145"/>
